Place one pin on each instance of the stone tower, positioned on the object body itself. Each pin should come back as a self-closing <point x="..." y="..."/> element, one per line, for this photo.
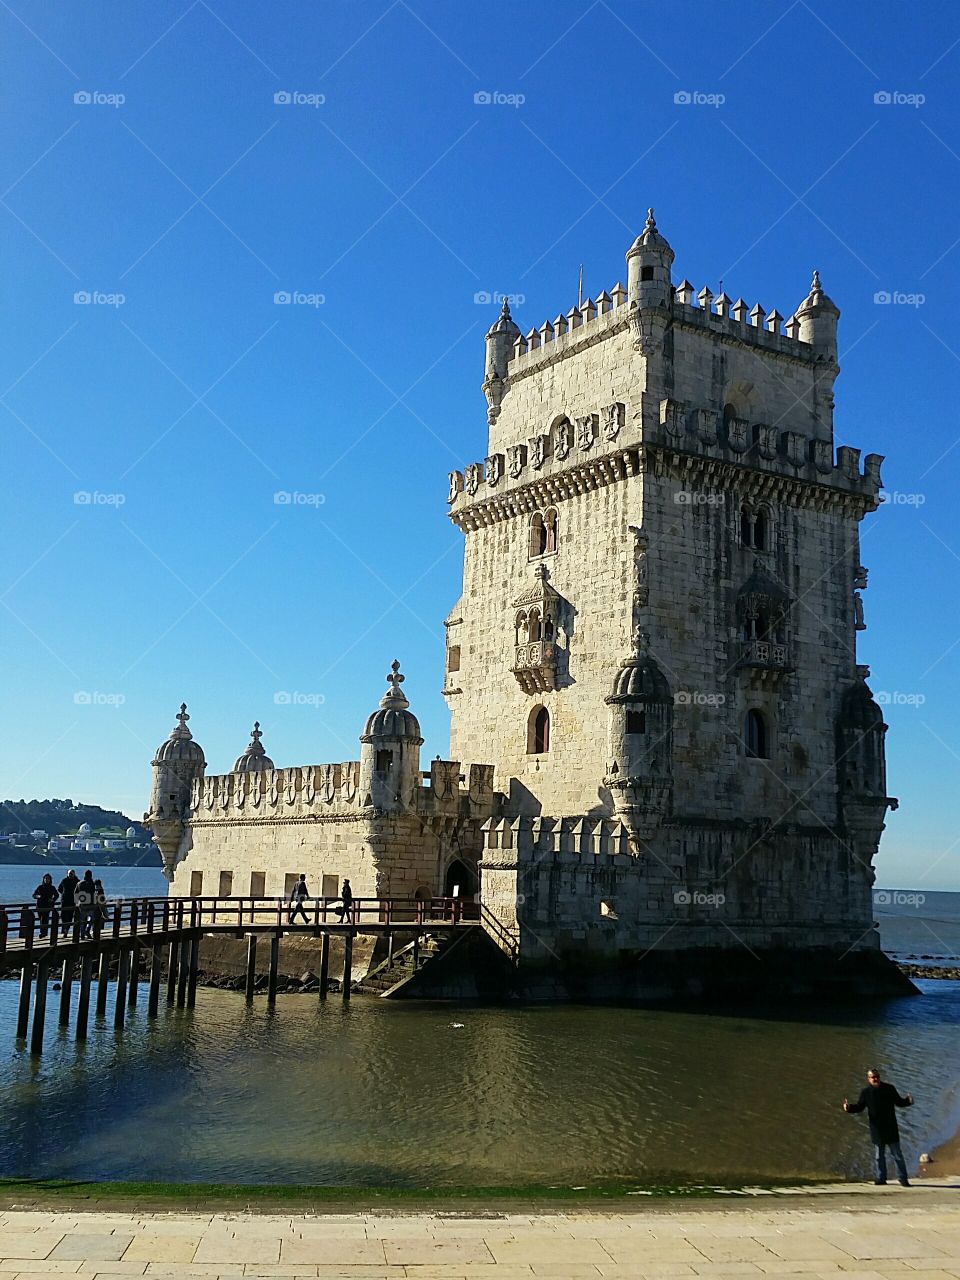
<point x="656" y="641"/>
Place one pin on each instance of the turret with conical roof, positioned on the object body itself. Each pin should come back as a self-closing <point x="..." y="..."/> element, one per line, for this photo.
<point x="178" y="762"/>
<point x="817" y="316"/>
<point x="649" y="260"/>
<point x="390" y="751"/>
<point x="500" y="338"/>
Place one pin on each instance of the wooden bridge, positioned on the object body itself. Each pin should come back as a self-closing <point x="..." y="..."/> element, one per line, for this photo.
<point x="38" y="942"/>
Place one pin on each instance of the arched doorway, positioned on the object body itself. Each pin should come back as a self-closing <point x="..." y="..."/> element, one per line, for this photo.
<point x="460" y="881"/>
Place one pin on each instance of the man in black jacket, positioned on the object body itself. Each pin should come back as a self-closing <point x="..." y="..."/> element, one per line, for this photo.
<point x="880" y="1101"/>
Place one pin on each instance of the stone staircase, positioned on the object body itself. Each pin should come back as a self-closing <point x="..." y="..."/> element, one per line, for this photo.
<point x="400" y="967"/>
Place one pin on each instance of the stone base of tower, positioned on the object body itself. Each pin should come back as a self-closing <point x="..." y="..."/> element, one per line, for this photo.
<point x="700" y="909"/>
<point x="712" y="975"/>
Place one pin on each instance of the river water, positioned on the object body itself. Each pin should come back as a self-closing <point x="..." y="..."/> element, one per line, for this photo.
<point x="375" y="1093"/>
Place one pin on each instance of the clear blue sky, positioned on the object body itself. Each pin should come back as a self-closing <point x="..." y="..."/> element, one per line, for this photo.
<point x="398" y="199"/>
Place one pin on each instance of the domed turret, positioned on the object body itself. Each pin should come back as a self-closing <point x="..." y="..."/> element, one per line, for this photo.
<point x="861" y="768"/>
<point x="84" y="830"/>
<point x="179" y="762"/>
<point x="390" y="750"/>
<point x="818" y="315"/>
<point x="640" y="768"/>
<point x="180" y="747"/>
<point x="255" y="757"/>
<point x="131" y="833"/>
<point x="500" y="338"/>
<point x="649" y="260"/>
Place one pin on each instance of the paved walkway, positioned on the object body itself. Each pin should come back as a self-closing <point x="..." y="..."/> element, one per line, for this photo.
<point x="907" y="1235"/>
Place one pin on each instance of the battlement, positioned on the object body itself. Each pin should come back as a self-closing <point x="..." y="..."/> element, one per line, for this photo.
<point x="756" y="326"/>
<point x="580" y="327"/>
<point x="576" y="840"/>
<point x="592" y="321"/>
<point x="601" y="448"/>
<point x="330" y="790"/>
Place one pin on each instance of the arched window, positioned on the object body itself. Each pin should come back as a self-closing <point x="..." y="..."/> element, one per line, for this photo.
<point x="548" y="628"/>
<point x="755" y="735"/>
<point x="746" y="526"/>
<point x="534" y="632"/>
<point x="729" y="413"/>
<point x="760" y="530"/>
<point x="538" y="731"/>
<point x="637" y="721"/>
<point x="538" y="535"/>
<point x="520" y="625"/>
<point x="550" y="531"/>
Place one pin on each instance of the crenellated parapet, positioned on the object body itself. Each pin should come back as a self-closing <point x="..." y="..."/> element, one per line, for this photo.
<point x="301" y="791"/>
<point x="774" y="457"/>
<point x="542" y="839"/>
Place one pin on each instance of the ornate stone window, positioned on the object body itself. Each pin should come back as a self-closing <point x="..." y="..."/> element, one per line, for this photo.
<point x="755" y="527"/>
<point x="543" y="533"/>
<point x="762" y="615"/>
<point x="755" y="737"/>
<point x="536" y="622"/>
<point x="538" y="732"/>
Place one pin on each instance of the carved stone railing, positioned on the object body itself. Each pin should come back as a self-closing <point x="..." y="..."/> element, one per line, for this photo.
<point x="770" y="654"/>
<point x="535" y="665"/>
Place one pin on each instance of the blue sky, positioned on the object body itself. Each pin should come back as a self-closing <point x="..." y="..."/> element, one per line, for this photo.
<point x="398" y="199"/>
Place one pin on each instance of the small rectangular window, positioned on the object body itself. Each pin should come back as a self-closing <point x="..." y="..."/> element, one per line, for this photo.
<point x="646" y="273"/>
<point x="384" y="761"/>
<point x="226" y="884"/>
<point x="636" y="721"/>
<point x="453" y="658"/>
<point x="289" y="880"/>
<point x="330" y="887"/>
<point x="196" y="884"/>
<point x="258" y="884"/>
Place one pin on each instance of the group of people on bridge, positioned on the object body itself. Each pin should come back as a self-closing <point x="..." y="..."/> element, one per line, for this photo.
<point x="300" y="893"/>
<point x="83" y="900"/>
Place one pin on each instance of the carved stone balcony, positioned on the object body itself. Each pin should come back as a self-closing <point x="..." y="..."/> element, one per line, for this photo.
<point x="535" y="666"/>
<point x="770" y="656"/>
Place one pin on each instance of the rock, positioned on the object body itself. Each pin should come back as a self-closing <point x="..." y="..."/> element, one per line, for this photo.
<point x="309" y="976"/>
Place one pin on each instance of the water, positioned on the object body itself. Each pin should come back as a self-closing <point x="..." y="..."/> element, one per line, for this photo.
<point x="18" y="883"/>
<point x="915" y="923"/>
<point x="383" y="1094"/>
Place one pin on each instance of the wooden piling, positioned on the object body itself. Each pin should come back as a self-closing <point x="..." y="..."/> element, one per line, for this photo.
<point x="183" y="972"/>
<point x="274" y="964"/>
<point x="83" y="998"/>
<point x="324" y="964"/>
<point x="120" y="1007"/>
<point x="39" y="1006"/>
<point x="251" y="966"/>
<point x="172" y="955"/>
<point x="134" y="976"/>
<point x="103" y="976"/>
<point x="347" y="964"/>
<point x="156" y="968"/>
<point x="23" y="1008"/>
<point x="194" y="970"/>
<point x="66" y="983"/>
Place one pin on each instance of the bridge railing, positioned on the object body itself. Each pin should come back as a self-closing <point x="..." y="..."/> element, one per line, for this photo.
<point x="25" y="925"/>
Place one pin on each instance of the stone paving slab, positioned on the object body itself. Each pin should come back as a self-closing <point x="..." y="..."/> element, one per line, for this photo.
<point x="864" y="1237"/>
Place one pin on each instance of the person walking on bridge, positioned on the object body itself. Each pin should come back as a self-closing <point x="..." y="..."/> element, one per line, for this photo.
<point x="45" y="895"/>
<point x="880" y="1101"/>
<point x="346" y="902"/>
<point x="297" y="895"/>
